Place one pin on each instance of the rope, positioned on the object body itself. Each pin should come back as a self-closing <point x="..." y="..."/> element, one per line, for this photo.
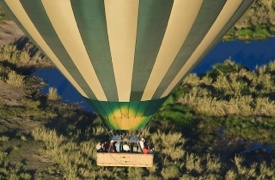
<point x="110" y="133"/>
<point x="145" y="127"/>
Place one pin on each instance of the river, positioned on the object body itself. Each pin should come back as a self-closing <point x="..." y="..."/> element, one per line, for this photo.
<point x="249" y="54"/>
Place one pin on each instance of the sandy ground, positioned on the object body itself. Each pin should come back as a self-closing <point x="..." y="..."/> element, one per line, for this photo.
<point x="10" y="95"/>
<point x="9" y="33"/>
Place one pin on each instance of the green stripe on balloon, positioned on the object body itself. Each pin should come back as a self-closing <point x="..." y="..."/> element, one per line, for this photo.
<point x="152" y="22"/>
<point x="91" y="21"/>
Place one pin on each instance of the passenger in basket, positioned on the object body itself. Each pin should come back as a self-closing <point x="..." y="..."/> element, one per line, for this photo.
<point x="117" y="145"/>
<point x="99" y="147"/>
<point x="126" y="148"/>
<point x="142" y="143"/>
<point x="135" y="147"/>
<point x="105" y="146"/>
<point x="112" y="149"/>
<point x="146" y="150"/>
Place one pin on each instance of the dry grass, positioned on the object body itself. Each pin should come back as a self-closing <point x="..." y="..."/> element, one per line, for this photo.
<point x="15" y="79"/>
<point x="53" y="94"/>
<point x="203" y="100"/>
<point x="73" y="158"/>
<point x="9" y="53"/>
<point x="170" y="172"/>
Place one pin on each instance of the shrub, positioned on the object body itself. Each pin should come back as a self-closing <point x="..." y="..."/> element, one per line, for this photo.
<point x="193" y="163"/>
<point x="213" y="163"/>
<point x="15" y="79"/>
<point x="9" y="52"/>
<point x="52" y="94"/>
<point x="135" y="173"/>
<point x="24" y="56"/>
<point x="171" y="171"/>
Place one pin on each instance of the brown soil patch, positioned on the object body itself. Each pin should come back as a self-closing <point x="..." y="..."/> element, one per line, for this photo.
<point x="10" y="95"/>
<point x="9" y="33"/>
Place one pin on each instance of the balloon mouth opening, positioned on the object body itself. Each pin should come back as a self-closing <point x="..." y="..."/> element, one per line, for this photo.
<point x="125" y="118"/>
<point x="126" y="122"/>
<point x="131" y="115"/>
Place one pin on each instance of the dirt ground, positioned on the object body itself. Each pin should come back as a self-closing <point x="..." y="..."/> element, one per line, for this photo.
<point x="9" y="33"/>
<point x="10" y="95"/>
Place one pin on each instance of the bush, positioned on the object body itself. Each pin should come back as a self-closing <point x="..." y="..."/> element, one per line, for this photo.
<point x="10" y="53"/>
<point x="52" y="94"/>
<point x="15" y="79"/>
<point x="172" y="171"/>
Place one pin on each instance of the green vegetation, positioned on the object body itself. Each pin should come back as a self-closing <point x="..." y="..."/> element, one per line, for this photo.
<point x="256" y="24"/>
<point x="197" y="134"/>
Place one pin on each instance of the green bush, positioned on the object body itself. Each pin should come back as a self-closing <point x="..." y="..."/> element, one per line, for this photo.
<point x="170" y="172"/>
<point x="261" y="33"/>
<point x="244" y="34"/>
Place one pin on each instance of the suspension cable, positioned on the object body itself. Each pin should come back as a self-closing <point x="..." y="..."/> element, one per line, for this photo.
<point x="145" y="127"/>
<point x="110" y="133"/>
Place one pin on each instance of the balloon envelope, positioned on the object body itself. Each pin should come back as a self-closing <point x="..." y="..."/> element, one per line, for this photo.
<point x="125" y="56"/>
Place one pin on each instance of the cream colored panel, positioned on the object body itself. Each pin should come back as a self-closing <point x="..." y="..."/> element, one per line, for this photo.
<point x="62" y="18"/>
<point x="182" y="17"/>
<point x="227" y="12"/>
<point x="121" y="18"/>
<point x="22" y="16"/>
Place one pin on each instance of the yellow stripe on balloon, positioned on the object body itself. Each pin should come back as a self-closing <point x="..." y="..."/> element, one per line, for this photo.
<point x="121" y="17"/>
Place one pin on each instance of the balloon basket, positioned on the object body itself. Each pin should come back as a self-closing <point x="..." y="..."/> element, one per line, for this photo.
<point x="125" y="159"/>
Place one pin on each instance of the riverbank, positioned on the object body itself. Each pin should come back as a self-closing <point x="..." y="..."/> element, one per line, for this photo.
<point x="256" y="24"/>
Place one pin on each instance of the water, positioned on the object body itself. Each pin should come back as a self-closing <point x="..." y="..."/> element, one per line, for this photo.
<point x="248" y="54"/>
<point x="55" y="79"/>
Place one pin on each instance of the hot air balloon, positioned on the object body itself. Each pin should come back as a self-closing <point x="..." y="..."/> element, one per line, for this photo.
<point x="125" y="57"/>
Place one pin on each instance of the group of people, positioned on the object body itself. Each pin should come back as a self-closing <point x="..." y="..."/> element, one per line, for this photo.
<point x="125" y="145"/>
